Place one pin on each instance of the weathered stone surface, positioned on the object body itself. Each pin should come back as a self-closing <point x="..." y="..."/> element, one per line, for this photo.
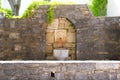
<point x="69" y="75"/>
<point x="36" y="29"/>
<point x="12" y="24"/>
<point x="54" y="71"/>
<point x="100" y="76"/>
<point x="49" y="49"/>
<point x="95" y="38"/>
<point x="57" y="45"/>
<point x="81" y="76"/>
<point x="59" y="76"/>
<point x="50" y="37"/>
<point x="69" y="45"/>
<point x="54" y="24"/>
<point x="102" y="66"/>
<point x="18" y="47"/>
<point x="86" y="67"/>
<point x="1" y="30"/>
<point x="14" y="35"/>
<point x="113" y="76"/>
<point x="72" y="67"/>
<point x="71" y="37"/>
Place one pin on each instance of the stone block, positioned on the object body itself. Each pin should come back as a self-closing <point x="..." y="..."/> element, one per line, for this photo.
<point x="69" y="75"/>
<point x="55" y="69"/>
<point x="71" y="30"/>
<point x="1" y="42"/>
<point x="83" y="67"/>
<point x="100" y="76"/>
<point x="57" y="45"/>
<point x="37" y="30"/>
<point x="86" y="13"/>
<point x="69" y="58"/>
<point x="12" y="24"/>
<point x="2" y="75"/>
<point x="118" y="76"/>
<point x="61" y="26"/>
<point x="54" y="24"/>
<point x="72" y="50"/>
<point x="61" y="23"/>
<point x="44" y="76"/>
<point x="59" y="76"/>
<point x="72" y="67"/>
<point x="71" y="37"/>
<point x="17" y="47"/>
<point x="14" y="35"/>
<point x="53" y="64"/>
<point x="112" y="76"/>
<point x="9" y="72"/>
<point x="49" y="37"/>
<point x="103" y="52"/>
<point x="67" y="24"/>
<point x="63" y="68"/>
<point x="69" y="45"/>
<point x="49" y="31"/>
<point x="81" y="76"/>
<point x="49" y="48"/>
<point x="73" y="57"/>
<point x="1" y="30"/>
<point x="107" y="66"/>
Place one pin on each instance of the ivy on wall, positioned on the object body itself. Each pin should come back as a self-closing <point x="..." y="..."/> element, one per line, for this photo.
<point x="36" y="4"/>
<point x="99" y="7"/>
<point x="30" y="10"/>
<point x="50" y="14"/>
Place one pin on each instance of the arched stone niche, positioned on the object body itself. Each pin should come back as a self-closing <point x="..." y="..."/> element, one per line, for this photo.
<point x="60" y="33"/>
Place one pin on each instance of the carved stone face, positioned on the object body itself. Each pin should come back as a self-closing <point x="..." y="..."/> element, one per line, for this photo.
<point x="60" y="36"/>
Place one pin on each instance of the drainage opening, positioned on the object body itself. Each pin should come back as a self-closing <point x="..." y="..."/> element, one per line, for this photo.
<point x="52" y="74"/>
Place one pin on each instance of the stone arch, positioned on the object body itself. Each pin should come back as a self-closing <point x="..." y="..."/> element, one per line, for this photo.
<point x="61" y="33"/>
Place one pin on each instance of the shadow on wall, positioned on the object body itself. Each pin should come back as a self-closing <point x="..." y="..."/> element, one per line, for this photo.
<point x="113" y="44"/>
<point x="112" y="40"/>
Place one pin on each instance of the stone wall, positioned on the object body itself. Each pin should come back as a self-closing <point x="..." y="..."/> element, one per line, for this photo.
<point x="60" y="71"/>
<point x="97" y="38"/>
<point x="22" y="39"/>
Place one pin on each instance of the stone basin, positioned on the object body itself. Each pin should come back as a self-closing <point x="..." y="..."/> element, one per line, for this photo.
<point x="61" y="53"/>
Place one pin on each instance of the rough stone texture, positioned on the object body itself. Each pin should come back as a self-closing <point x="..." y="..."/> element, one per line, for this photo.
<point x="97" y="38"/>
<point x="60" y="34"/>
<point x="61" y="71"/>
<point x="102" y="66"/>
<point x="24" y="41"/>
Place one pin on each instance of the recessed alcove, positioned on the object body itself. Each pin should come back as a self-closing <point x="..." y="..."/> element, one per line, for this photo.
<point x="60" y="34"/>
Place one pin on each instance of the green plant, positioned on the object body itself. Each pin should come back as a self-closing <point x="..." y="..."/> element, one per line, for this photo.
<point x="50" y="14"/>
<point x="99" y="7"/>
<point x="7" y="12"/>
<point x="36" y="4"/>
<point x="30" y="10"/>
